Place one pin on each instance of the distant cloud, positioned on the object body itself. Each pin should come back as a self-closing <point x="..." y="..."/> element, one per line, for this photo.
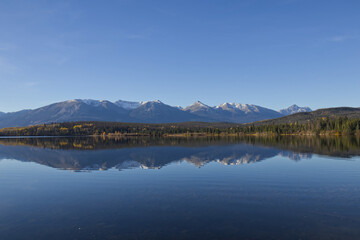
<point x="141" y="34"/>
<point x="6" y="66"/>
<point x="339" y="38"/>
<point x="27" y="85"/>
<point x="31" y="84"/>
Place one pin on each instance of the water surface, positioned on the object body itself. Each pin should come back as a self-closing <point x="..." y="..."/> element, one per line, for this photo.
<point x="204" y="188"/>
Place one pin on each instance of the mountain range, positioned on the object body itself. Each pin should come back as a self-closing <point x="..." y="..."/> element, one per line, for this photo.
<point x="141" y="112"/>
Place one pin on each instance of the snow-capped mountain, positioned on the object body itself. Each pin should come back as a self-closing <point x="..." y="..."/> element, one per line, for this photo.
<point x="158" y="112"/>
<point x="128" y="105"/>
<point x="202" y="110"/>
<point x="142" y="112"/>
<point x="232" y="112"/>
<point x="233" y="107"/>
<point x="72" y="110"/>
<point x="197" y="106"/>
<point x="244" y="113"/>
<point x="95" y="103"/>
<point x="294" y="109"/>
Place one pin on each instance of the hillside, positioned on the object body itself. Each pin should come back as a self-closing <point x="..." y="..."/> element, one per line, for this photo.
<point x="304" y="117"/>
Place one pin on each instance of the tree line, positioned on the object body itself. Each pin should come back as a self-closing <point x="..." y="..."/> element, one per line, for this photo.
<point x="320" y="126"/>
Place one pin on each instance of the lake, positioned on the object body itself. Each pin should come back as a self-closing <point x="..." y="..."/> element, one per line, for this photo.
<point x="180" y="188"/>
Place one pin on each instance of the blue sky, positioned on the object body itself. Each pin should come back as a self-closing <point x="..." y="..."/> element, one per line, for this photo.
<point x="270" y="53"/>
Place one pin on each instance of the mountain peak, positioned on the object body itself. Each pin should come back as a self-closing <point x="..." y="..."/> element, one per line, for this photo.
<point x="294" y="106"/>
<point x="197" y="106"/>
<point x="199" y="102"/>
<point x="225" y="106"/>
<point x="152" y="102"/>
<point x="247" y="108"/>
<point x="294" y="109"/>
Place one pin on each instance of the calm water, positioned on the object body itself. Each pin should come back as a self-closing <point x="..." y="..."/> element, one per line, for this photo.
<point x="205" y="188"/>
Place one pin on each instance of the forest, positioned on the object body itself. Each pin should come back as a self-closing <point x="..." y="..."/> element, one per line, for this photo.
<point x="320" y="126"/>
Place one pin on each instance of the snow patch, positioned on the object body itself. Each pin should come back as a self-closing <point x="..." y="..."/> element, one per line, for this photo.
<point x="247" y="108"/>
<point x="294" y="109"/>
<point x="128" y="105"/>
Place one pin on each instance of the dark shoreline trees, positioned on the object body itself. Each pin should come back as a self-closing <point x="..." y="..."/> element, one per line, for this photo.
<point x="320" y="126"/>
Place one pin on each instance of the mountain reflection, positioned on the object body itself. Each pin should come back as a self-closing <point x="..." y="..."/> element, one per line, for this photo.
<point x="81" y="154"/>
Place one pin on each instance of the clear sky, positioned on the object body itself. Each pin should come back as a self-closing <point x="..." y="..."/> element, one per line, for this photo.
<point x="272" y="53"/>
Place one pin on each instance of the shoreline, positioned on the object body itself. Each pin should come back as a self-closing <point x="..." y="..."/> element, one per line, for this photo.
<point x="183" y="135"/>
